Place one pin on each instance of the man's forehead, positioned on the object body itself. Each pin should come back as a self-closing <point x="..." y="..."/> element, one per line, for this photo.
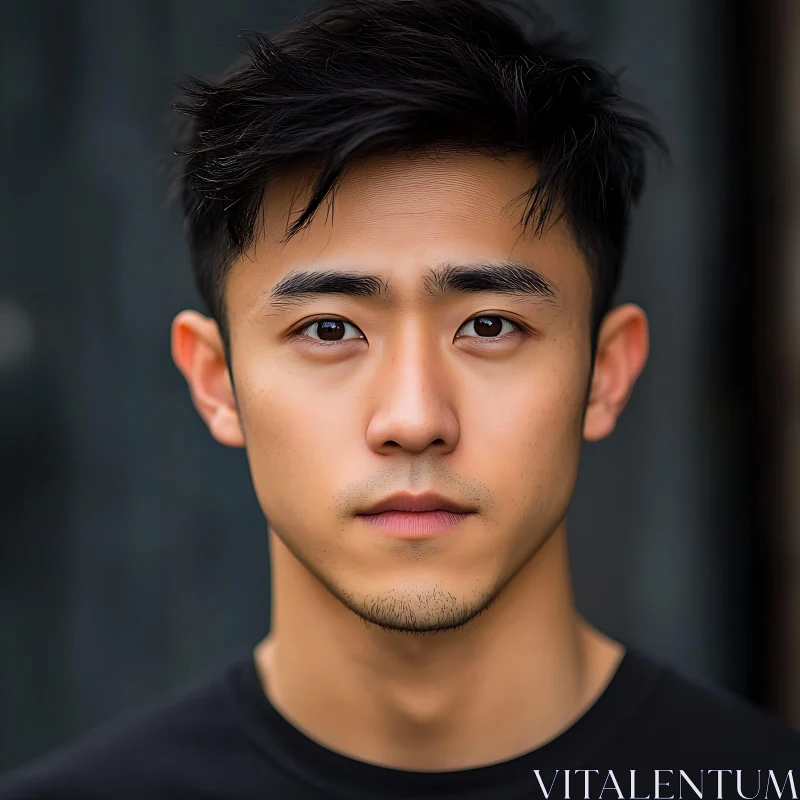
<point x="405" y="185"/>
<point x="380" y="236"/>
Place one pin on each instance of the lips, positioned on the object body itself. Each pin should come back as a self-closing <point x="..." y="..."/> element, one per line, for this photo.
<point x="419" y="503"/>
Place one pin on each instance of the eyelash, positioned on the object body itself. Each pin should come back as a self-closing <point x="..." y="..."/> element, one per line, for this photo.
<point x="299" y="333"/>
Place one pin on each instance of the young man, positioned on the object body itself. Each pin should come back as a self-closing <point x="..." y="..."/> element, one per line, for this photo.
<point x="407" y="220"/>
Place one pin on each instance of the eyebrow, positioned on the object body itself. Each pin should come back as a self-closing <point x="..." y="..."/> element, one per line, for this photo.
<point x="499" y="277"/>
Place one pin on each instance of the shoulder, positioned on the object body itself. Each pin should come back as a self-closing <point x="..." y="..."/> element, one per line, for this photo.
<point x="696" y="720"/>
<point x="153" y="754"/>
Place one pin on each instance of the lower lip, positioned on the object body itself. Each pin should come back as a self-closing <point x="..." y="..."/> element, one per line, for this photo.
<point x="415" y="524"/>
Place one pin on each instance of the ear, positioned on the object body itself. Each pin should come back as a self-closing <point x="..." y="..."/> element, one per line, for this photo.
<point x="198" y="352"/>
<point x="622" y="348"/>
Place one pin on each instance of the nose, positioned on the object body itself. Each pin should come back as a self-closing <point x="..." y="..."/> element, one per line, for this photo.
<point x="414" y="410"/>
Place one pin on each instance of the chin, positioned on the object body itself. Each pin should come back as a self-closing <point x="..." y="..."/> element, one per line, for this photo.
<point x="417" y="605"/>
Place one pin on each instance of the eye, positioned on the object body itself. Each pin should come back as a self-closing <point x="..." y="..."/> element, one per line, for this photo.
<point x="331" y="330"/>
<point x="487" y="326"/>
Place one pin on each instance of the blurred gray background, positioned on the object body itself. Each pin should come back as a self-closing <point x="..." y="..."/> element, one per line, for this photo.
<point x="133" y="554"/>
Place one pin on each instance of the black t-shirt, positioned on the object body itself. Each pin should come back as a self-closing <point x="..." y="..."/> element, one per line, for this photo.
<point x="224" y="740"/>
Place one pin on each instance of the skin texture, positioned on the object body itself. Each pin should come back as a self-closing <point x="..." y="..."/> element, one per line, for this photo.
<point x="448" y="652"/>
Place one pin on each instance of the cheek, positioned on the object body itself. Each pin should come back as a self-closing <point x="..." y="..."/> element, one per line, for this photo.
<point x="296" y="439"/>
<point x="528" y="433"/>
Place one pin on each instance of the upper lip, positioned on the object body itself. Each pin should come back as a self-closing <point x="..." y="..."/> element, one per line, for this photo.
<point x="427" y="501"/>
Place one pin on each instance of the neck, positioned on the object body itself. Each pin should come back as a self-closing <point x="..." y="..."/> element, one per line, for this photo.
<point x="510" y="680"/>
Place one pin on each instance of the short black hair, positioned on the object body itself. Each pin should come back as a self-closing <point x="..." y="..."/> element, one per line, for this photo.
<point x="359" y="77"/>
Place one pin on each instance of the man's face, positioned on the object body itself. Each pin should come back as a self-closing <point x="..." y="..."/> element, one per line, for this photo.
<point x="346" y="400"/>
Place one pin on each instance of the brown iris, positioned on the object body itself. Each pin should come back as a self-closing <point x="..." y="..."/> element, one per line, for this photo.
<point x="488" y="326"/>
<point x="330" y="330"/>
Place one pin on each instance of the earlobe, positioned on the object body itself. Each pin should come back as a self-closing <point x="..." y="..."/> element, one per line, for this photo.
<point x="622" y="348"/>
<point x="198" y="353"/>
